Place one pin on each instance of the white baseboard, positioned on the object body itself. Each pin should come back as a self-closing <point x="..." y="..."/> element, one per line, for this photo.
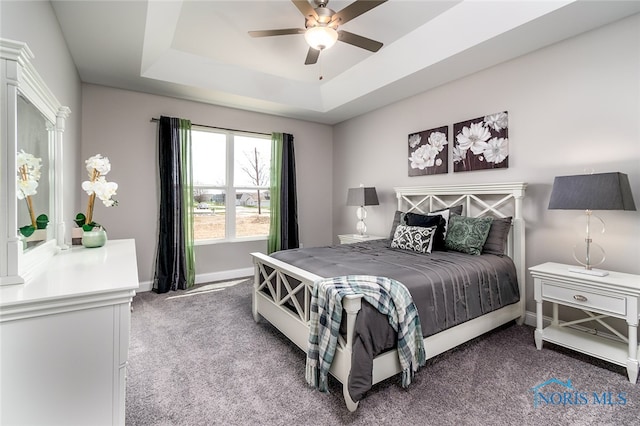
<point x="530" y="318"/>
<point x="207" y="278"/>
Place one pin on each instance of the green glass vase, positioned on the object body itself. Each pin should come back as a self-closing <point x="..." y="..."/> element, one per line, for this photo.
<point x="93" y="239"/>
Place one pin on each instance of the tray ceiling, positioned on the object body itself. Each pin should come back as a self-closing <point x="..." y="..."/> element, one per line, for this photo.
<point x="200" y="50"/>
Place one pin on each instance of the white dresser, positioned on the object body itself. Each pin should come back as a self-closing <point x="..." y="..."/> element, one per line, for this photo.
<point x="64" y="339"/>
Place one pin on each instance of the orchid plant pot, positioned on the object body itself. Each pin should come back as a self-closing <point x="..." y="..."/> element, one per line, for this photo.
<point x="93" y="234"/>
<point x="94" y="238"/>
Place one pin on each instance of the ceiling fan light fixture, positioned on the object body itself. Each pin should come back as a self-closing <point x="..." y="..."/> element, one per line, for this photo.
<point x="321" y="38"/>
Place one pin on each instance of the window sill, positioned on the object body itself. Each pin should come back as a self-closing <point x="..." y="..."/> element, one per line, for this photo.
<point x="229" y="241"/>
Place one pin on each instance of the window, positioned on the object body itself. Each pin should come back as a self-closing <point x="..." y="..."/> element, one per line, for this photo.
<point x="230" y="185"/>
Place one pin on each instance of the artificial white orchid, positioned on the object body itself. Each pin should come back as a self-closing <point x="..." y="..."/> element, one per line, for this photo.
<point x="102" y="189"/>
<point x="97" y="167"/>
<point x="27" y="188"/>
<point x="28" y="177"/>
<point x="28" y="174"/>
<point x="98" y="164"/>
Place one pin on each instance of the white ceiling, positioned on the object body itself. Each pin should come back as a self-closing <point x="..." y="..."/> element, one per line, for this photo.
<point x="200" y="50"/>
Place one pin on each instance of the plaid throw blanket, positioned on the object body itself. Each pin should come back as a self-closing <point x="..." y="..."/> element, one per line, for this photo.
<point x="390" y="297"/>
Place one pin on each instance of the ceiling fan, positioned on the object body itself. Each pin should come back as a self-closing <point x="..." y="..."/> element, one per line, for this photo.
<point x="321" y="27"/>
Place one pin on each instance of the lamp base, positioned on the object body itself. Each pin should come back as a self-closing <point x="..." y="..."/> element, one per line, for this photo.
<point x="595" y="272"/>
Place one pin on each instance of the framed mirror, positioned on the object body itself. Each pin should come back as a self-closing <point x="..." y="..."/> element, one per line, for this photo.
<point x="31" y="158"/>
<point x="33" y="186"/>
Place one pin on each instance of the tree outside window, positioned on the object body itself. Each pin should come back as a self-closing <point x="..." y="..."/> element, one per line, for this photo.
<point x="231" y="185"/>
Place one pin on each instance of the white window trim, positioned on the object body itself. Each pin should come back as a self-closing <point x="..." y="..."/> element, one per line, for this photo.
<point x="229" y="190"/>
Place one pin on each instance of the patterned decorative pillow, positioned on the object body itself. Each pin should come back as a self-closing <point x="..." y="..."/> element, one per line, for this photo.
<point x="415" y="238"/>
<point x="467" y="234"/>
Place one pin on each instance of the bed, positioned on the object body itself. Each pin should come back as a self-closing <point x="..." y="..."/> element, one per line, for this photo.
<point x="282" y="291"/>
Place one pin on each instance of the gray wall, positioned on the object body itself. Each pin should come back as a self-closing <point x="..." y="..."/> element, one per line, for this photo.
<point x="35" y="23"/>
<point x="573" y="106"/>
<point x="116" y="124"/>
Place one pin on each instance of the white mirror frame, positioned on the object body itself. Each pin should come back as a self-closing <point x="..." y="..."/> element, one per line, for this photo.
<point x="18" y="76"/>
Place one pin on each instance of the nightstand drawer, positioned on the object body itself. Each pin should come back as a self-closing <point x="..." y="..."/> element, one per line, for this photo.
<point x="584" y="299"/>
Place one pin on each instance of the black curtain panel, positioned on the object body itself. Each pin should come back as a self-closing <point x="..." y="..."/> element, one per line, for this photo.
<point x="171" y="271"/>
<point x="289" y="207"/>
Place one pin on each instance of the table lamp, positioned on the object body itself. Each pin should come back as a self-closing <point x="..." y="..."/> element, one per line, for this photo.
<point x="361" y="197"/>
<point x="601" y="191"/>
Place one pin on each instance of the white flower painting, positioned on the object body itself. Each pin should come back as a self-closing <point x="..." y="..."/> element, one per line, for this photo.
<point x="481" y="143"/>
<point x="428" y="152"/>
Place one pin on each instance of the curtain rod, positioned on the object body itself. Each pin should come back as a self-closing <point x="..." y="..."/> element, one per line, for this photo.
<point x="155" y="120"/>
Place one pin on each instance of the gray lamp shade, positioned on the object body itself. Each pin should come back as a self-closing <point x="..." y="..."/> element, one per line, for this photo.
<point x="602" y="191"/>
<point x="362" y="196"/>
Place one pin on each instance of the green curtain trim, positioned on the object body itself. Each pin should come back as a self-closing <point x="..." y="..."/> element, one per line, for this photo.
<point x="187" y="200"/>
<point x="273" y="242"/>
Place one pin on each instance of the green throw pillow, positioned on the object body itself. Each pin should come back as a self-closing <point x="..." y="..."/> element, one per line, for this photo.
<point x="467" y="234"/>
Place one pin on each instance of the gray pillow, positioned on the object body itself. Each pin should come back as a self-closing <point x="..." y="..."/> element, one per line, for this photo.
<point x="467" y="234"/>
<point x="414" y="238"/>
<point x="497" y="238"/>
<point x="398" y="218"/>
<point x="452" y="210"/>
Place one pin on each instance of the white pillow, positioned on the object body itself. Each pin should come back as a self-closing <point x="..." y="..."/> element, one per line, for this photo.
<point x="445" y="214"/>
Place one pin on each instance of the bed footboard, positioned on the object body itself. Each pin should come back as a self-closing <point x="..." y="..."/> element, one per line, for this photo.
<point x="282" y="296"/>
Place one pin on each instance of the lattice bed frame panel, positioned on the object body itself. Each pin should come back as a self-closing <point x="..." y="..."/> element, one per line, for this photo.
<point x="284" y="290"/>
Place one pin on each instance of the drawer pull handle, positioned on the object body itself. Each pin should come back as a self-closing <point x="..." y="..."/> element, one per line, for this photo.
<point x="580" y="298"/>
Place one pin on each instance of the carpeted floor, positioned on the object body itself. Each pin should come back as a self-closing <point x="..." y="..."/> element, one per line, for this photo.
<point x="200" y="359"/>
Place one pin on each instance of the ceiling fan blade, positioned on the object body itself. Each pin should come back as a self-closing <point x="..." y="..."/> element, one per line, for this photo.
<point x="359" y="41"/>
<point x="354" y="10"/>
<point x="312" y="56"/>
<point x="305" y="8"/>
<point x="269" y="33"/>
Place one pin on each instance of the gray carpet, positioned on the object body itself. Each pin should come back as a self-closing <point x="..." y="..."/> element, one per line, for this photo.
<point x="202" y="360"/>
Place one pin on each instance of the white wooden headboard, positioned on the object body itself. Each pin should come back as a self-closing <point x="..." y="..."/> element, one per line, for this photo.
<point x="481" y="199"/>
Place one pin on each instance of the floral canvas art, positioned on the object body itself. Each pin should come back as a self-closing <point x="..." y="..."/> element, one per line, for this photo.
<point x="481" y="143"/>
<point x="428" y="152"/>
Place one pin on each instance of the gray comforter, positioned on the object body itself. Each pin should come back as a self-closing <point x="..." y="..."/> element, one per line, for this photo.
<point x="448" y="289"/>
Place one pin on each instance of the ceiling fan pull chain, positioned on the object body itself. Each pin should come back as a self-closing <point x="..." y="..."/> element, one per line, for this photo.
<point x="320" y="69"/>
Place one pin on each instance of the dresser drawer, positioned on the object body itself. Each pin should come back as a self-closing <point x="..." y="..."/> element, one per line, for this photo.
<point x="585" y="299"/>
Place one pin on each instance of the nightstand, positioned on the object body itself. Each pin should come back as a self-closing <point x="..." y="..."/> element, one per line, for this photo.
<point x="357" y="238"/>
<point x="616" y="295"/>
